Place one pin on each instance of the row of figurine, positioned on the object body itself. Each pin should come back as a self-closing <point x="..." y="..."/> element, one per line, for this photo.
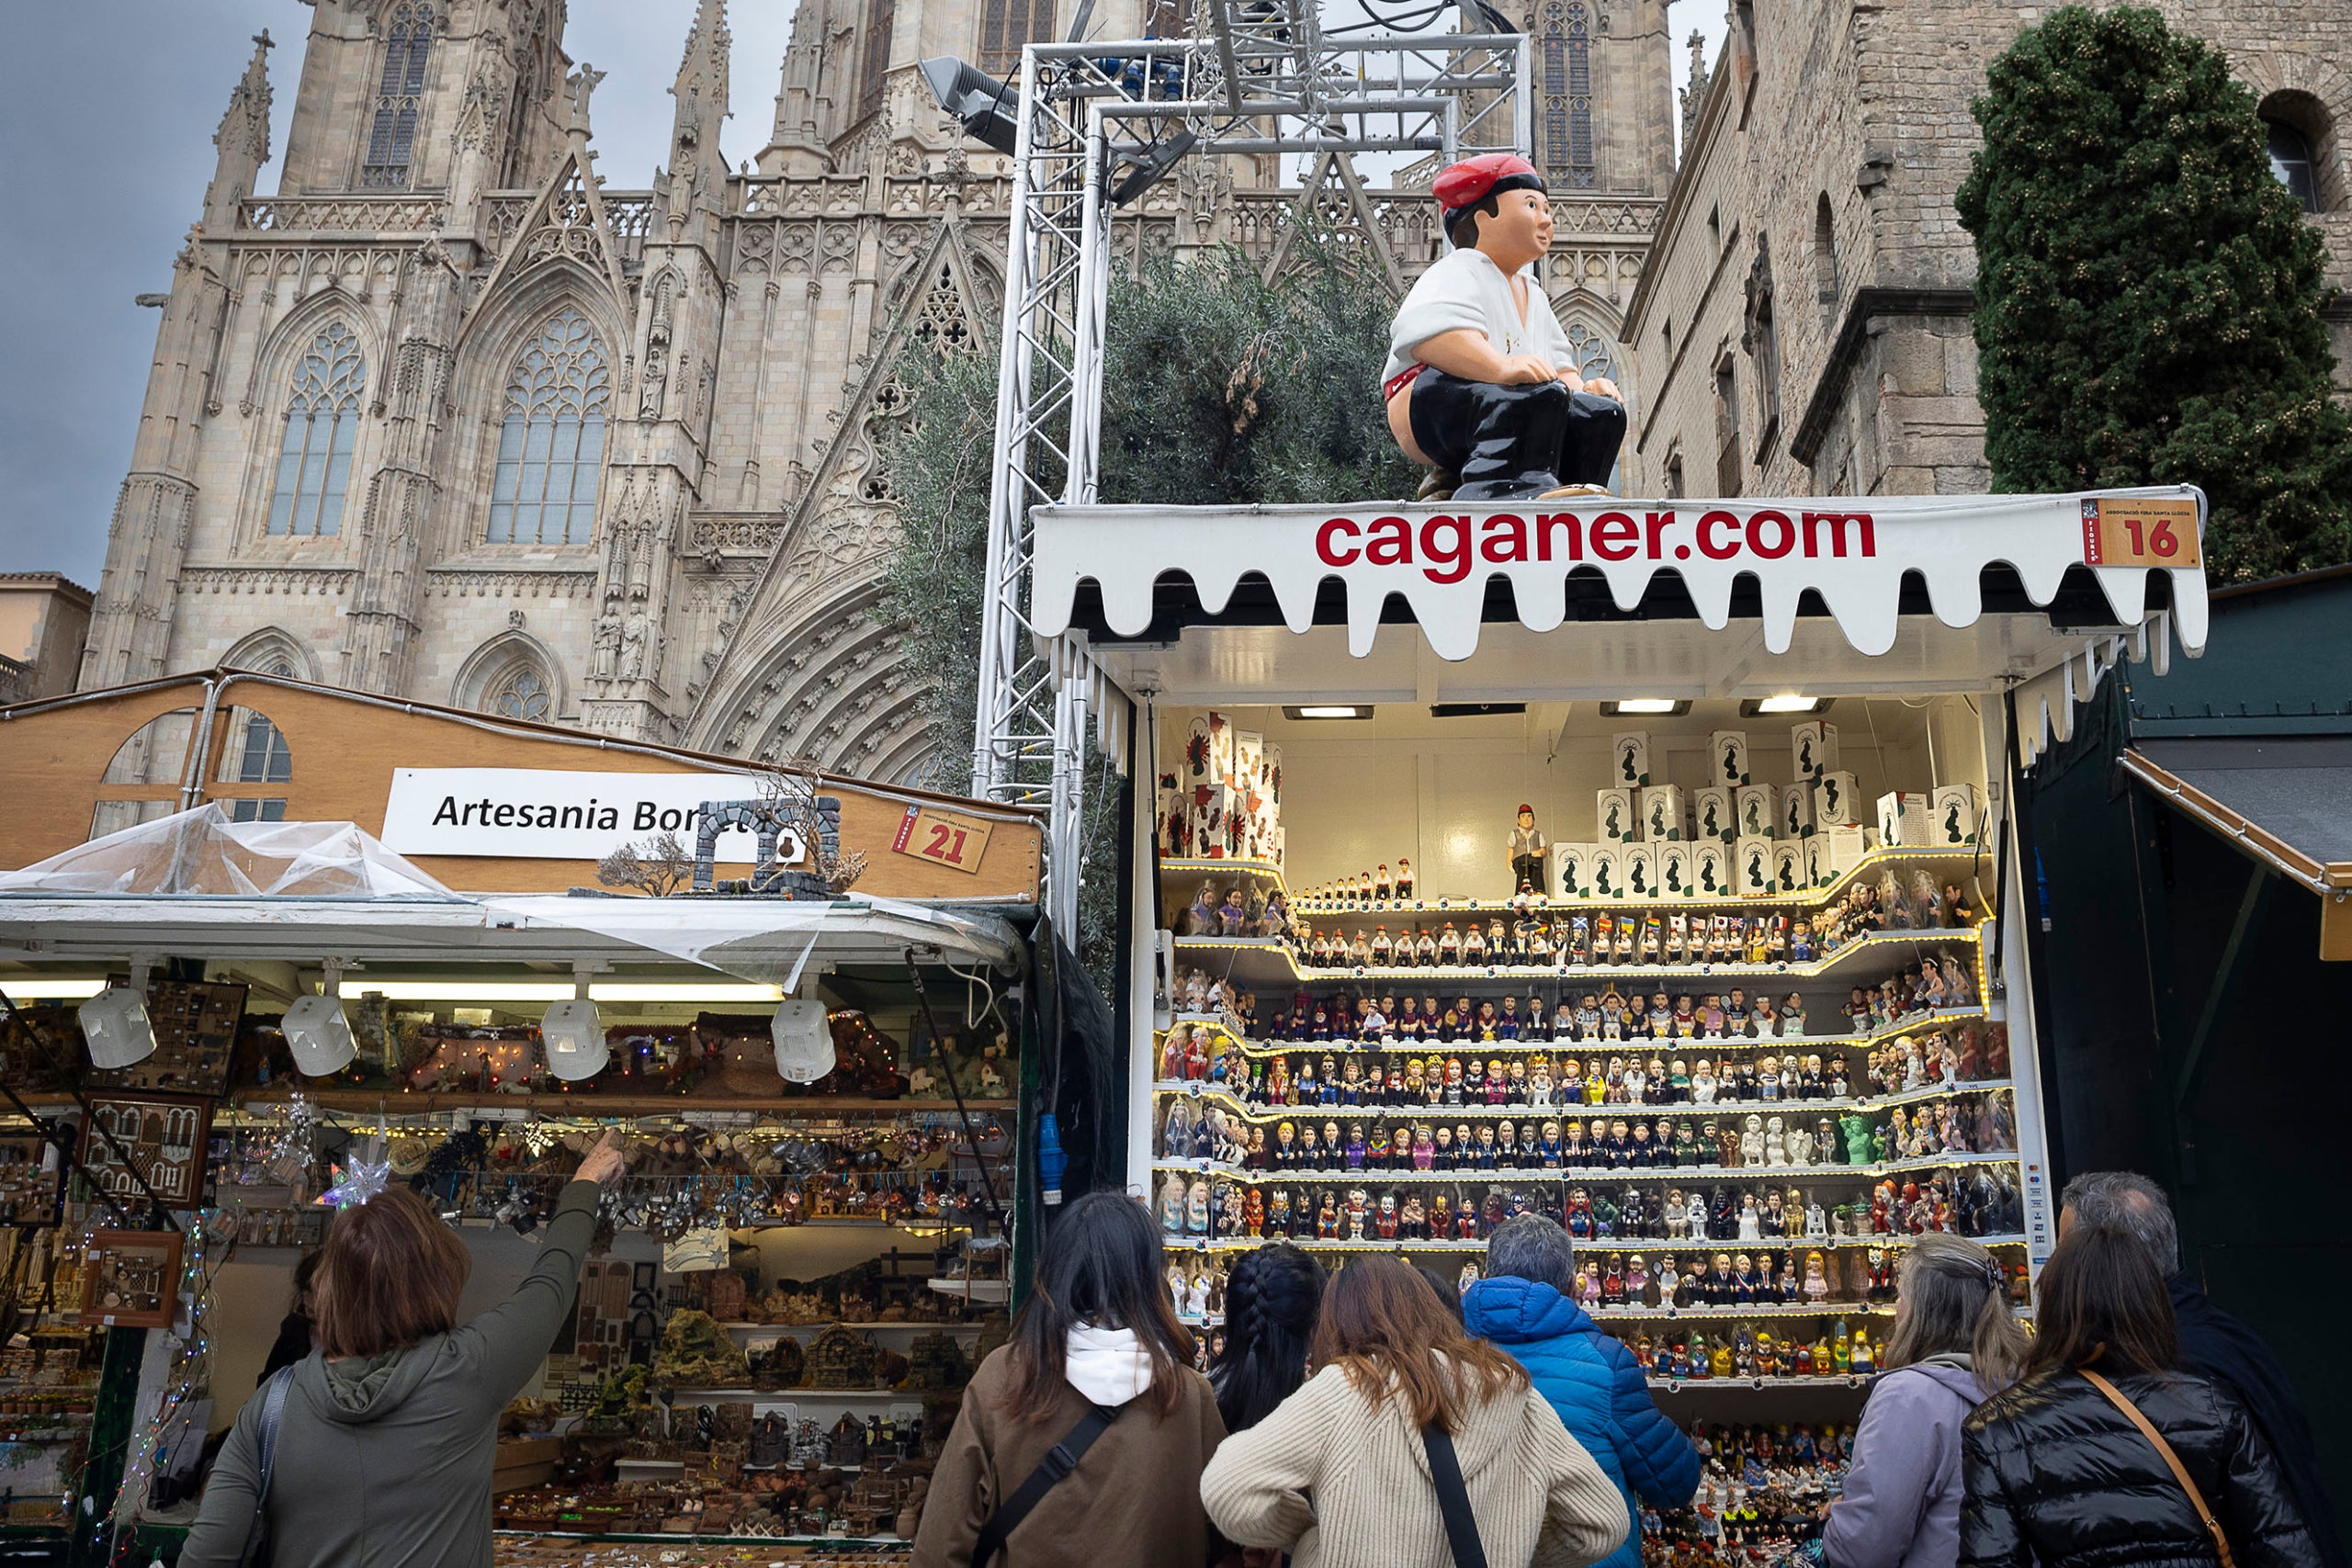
<point x="1545" y="940"/>
<point x="1961" y="1125"/>
<point x="1928" y="1059"/>
<point x="1980" y="1201"/>
<point x="1539" y="938"/>
<point x="1943" y="981"/>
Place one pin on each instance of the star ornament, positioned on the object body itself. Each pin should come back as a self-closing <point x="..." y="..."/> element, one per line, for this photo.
<point x="370" y="1172"/>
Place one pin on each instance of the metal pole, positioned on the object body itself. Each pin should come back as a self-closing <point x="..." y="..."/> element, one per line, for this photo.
<point x="1009" y="454"/>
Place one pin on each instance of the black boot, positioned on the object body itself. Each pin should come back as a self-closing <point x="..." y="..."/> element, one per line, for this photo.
<point x="1501" y="440"/>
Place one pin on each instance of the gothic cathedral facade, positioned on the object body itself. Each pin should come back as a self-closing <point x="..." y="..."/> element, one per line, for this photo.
<point x="445" y="419"/>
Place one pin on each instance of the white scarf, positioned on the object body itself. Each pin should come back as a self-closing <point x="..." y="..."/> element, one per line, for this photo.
<point x="1107" y="1365"/>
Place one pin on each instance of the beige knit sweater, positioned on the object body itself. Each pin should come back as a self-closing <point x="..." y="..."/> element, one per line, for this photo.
<point x="1341" y="1485"/>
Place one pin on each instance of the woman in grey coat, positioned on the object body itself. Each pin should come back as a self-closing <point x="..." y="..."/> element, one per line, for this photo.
<point x="390" y="1428"/>
<point x="1955" y="1345"/>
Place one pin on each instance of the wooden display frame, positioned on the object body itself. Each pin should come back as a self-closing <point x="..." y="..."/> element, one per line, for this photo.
<point x="136" y="1259"/>
<point x="175" y="1128"/>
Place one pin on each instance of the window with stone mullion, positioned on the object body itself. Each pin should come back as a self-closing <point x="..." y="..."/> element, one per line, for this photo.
<point x="400" y="99"/>
<point x="551" y="442"/>
<point x="322" y="427"/>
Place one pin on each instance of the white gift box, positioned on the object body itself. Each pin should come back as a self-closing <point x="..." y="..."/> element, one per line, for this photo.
<point x="1613" y="817"/>
<point x="1836" y="801"/>
<point x="1640" y="865"/>
<point x="1712" y="815"/>
<point x="1903" y="819"/>
<point x="1661" y="814"/>
<point x="1787" y="868"/>
<point x="1727" y="757"/>
<point x="1608" y="872"/>
<point x="1711" y="870"/>
<point x="1752" y="867"/>
<point x="1813" y="749"/>
<point x="1758" y="808"/>
<point x="1796" y="811"/>
<point x="1629" y="753"/>
<point x="1571" y="871"/>
<point x="1956" y="816"/>
<point x="1676" y="866"/>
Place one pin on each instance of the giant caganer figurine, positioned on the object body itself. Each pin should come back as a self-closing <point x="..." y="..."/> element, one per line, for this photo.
<point x="1481" y="383"/>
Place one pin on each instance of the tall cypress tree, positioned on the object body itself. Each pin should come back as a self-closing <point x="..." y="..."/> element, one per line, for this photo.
<point x="2147" y="293"/>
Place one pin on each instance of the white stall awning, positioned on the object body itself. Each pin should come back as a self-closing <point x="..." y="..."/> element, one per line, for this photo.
<point x="1853" y="555"/>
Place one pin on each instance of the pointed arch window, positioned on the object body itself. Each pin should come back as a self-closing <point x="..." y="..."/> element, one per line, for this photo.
<point x="1566" y="89"/>
<point x="321" y="423"/>
<point x="1005" y="27"/>
<point x="874" y="61"/>
<point x="551" y="445"/>
<point x="1594" y="354"/>
<point x="522" y="692"/>
<point x="257" y="754"/>
<point x="399" y="98"/>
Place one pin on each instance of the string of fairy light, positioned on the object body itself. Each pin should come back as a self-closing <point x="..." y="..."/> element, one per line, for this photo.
<point x="665" y="1203"/>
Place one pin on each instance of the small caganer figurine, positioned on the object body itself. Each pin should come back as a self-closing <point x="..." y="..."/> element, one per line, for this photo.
<point x="1481" y="383"/>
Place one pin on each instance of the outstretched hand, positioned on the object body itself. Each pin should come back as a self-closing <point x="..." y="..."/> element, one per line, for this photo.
<point x="605" y="1164"/>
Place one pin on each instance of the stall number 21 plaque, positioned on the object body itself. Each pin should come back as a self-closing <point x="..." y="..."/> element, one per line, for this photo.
<point x="2140" y="531"/>
<point x="956" y="843"/>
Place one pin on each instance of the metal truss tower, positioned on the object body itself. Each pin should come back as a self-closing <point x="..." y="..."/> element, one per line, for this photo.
<point x="1097" y="123"/>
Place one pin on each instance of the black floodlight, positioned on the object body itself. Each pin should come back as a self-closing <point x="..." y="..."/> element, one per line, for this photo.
<point x="988" y="110"/>
<point x="1146" y="166"/>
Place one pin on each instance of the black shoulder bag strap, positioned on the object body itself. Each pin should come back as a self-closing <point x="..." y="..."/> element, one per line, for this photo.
<point x="1453" y="1498"/>
<point x="273" y="1407"/>
<point x="1059" y="1461"/>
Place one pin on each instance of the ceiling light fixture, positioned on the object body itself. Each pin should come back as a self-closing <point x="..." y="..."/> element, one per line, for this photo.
<point x="1328" y="710"/>
<point x="316" y="1033"/>
<point x="1787" y="703"/>
<point x="31" y="987"/>
<point x="1646" y="707"/>
<point x="115" y="1024"/>
<point x="804" y="1041"/>
<point x="461" y="989"/>
<point x="573" y="1034"/>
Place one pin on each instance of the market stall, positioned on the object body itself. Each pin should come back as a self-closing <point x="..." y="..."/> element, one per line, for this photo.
<point x="225" y="1021"/>
<point x="1642" y="864"/>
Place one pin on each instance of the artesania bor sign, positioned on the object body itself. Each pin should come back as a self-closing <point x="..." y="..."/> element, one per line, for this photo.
<point x="1852" y="552"/>
<point x="548" y="814"/>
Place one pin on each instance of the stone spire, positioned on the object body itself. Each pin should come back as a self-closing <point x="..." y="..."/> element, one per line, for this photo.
<point x="241" y="141"/>
<point x="1695" y="93"/>
<point x="698" y="173"/>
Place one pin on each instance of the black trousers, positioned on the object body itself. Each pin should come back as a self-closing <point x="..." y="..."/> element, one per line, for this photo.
<point x="1508" y="442"/>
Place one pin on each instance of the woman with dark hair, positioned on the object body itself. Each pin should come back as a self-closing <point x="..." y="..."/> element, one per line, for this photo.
<point x="1955" y="1344"/>
<point x="1341" y="1474"/>
<point x="388" y="1432"/>
<point x="2105" y="1452"/>
<point x="295" y="1331"/>
<point x="1098" y="1371"/>
<point x="1272" y="1301"/>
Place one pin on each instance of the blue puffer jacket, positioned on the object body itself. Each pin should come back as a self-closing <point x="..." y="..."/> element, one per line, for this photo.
<point x="1602" y="1397"/>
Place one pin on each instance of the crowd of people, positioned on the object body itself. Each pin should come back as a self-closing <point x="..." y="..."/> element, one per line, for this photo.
<point x="1378" y="1417"/>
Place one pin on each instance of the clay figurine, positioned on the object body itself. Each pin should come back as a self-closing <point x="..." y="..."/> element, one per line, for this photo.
<point x="1481" y="383"/>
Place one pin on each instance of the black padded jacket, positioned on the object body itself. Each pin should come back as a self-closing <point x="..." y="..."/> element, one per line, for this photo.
<point x="2057" y="1475"/>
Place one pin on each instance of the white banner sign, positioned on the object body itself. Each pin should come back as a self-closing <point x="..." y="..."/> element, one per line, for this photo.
<point x="550" y="814"/>
<point x="1853" y="552"/>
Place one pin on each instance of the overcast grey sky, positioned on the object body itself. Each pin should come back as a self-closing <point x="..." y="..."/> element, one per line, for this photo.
<point x="107" y="112"/>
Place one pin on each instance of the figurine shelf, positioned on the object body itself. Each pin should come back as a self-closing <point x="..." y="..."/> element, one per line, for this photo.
<point x="1259" y="961"/>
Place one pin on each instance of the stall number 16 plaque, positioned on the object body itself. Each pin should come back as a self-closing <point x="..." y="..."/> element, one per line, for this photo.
<point x="956" y="843"/>
<point x="2140" y="531"/>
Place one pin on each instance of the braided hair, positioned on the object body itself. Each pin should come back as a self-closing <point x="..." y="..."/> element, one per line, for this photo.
<point x="1271" y="1302"/>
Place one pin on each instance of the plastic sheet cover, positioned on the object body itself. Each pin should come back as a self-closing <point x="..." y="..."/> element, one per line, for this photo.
<point x="204" y="852"/>
<point x="772" y="939"/>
